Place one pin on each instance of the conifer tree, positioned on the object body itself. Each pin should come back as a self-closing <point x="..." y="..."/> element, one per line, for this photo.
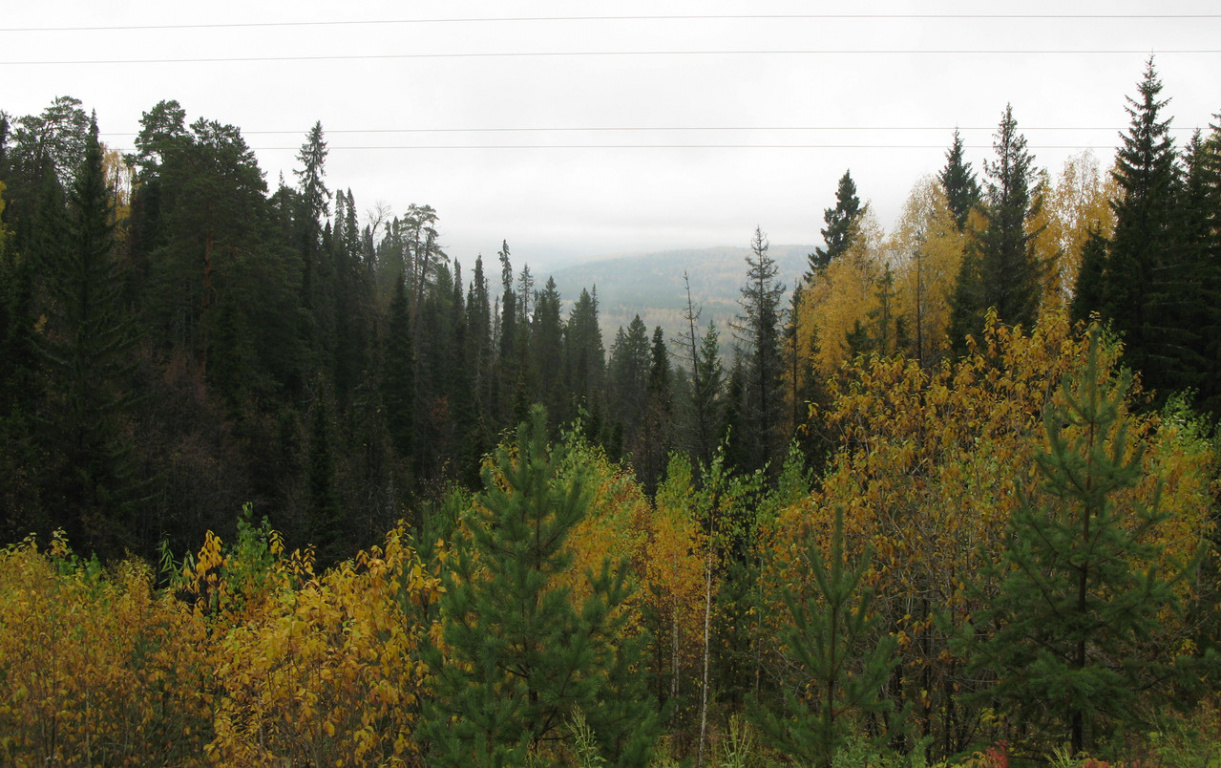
<point x="1141" y="277"/>
<point x="85" y="359"/>
<point x="761" y="436"/>
<point x="584" y="354"/>
<point x="959" y="184"/>
<point x="842" y="221"/>
<point x="653" y="446"/>
<point x="1191" y="310"/>
<point x="1001" y="270"/>
<point x="548" y="345"/>
<point x="325" y="521"/>
<point x="1088" y="296"/>
<point x="521" y="659"/>
<point x="629" y="376"/>
<point x="843" y="663"/>
<point x="1081" y="590"/>
<point x="398" y="385"/>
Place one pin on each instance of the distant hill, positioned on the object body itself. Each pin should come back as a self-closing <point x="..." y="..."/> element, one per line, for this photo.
<point x="651" y="285"/>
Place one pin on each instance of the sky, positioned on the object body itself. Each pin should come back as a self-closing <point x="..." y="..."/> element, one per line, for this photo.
<point x="589" y="128"/>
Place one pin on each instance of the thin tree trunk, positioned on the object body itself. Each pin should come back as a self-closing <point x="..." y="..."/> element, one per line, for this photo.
<point x="699" y="762"/>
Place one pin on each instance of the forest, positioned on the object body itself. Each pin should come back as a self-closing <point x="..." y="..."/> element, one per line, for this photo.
<point x="282" y="484"/>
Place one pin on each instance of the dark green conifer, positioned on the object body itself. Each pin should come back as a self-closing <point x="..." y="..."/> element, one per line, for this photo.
<point x="761" y="434"/>
<point x="842" y="222"/>
<point x="398" y="385"/>
<point x="1088" y="296"/>
<point x="85" y="358"/>
<point x="325" y="524"/>
<point x="959" y="184"/>
<point x="1000" y="269"/>
<point x="1141" y="275"/>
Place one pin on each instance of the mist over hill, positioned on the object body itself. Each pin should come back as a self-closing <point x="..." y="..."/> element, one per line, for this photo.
<point x="651" y="285"/>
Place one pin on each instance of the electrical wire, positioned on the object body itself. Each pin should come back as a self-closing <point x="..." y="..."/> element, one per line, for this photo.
<point x="667" y="17"/>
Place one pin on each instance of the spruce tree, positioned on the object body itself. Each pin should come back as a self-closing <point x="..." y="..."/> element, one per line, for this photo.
<point x="398" y="384"/>
<point x="762" y="436"/>
<point x="1081" y="591"/>
<point x="84" y="356"/>
<point x="1195" y="308"/>
<point x="325" y="524"/>
<point x="842" y="222"/>
<point x="548" y="345"/>
<point x="1141" y="272"/>
<point x="1088" y="293"/>
<point x="959" y="184"/>
<point x="628" y="372"/>
<point x="1001" y="270"/>
<point x="521" y="658"/>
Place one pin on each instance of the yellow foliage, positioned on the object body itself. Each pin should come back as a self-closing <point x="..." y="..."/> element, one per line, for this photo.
<point x="927" y="249"/>
<point x="95" y="667"/>
<point x="328" y="673"/>
<point x="674" y="578"/>
<point x="836" y="300"/>
<point x="263" y="663"/>
<point x="1077" y="202"/>
<point x="932" y="465"/>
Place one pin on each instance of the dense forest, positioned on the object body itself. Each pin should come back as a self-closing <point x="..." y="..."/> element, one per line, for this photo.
<point x="282" y="483"/>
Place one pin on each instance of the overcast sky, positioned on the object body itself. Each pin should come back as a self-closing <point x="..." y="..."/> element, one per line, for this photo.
<point x="878" y="95"/>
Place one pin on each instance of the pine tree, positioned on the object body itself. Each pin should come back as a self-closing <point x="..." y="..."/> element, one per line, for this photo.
<point x="842" y="661"/>
<point x="842" y="222"/>
<point x="959" y="184"/>
<point x="1081" y="590"/>
<point x="521" y="659"/>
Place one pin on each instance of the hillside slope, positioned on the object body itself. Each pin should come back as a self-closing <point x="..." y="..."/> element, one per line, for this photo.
<point x="651" y="285"/>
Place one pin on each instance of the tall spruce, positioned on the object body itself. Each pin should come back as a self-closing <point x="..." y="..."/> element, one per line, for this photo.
<point x="1001" y="269"/>
<point x="85" y="355"/>
<point x="398" y="384"/>
<point x="314" y="200"/>
<point x="1142" y="272"/>
<point x="1203" y="207"/>
<point x="761" y="437"/>
<point x="325" y="523"/>
<point x="959" y="184"/>
<point x="841" y="226"/>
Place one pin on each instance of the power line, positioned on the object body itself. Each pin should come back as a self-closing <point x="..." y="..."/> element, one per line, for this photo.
<point x="692" y="17"/>
<point x="659" y="146"/>
<point x="589" y="54"/>
<point x="635" y="129"/>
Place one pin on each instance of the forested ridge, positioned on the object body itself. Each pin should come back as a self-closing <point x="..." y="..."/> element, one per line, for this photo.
<point x="283" y="482"/>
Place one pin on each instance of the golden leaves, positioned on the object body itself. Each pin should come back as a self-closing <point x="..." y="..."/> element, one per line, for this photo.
<point x="270" y="663"/>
